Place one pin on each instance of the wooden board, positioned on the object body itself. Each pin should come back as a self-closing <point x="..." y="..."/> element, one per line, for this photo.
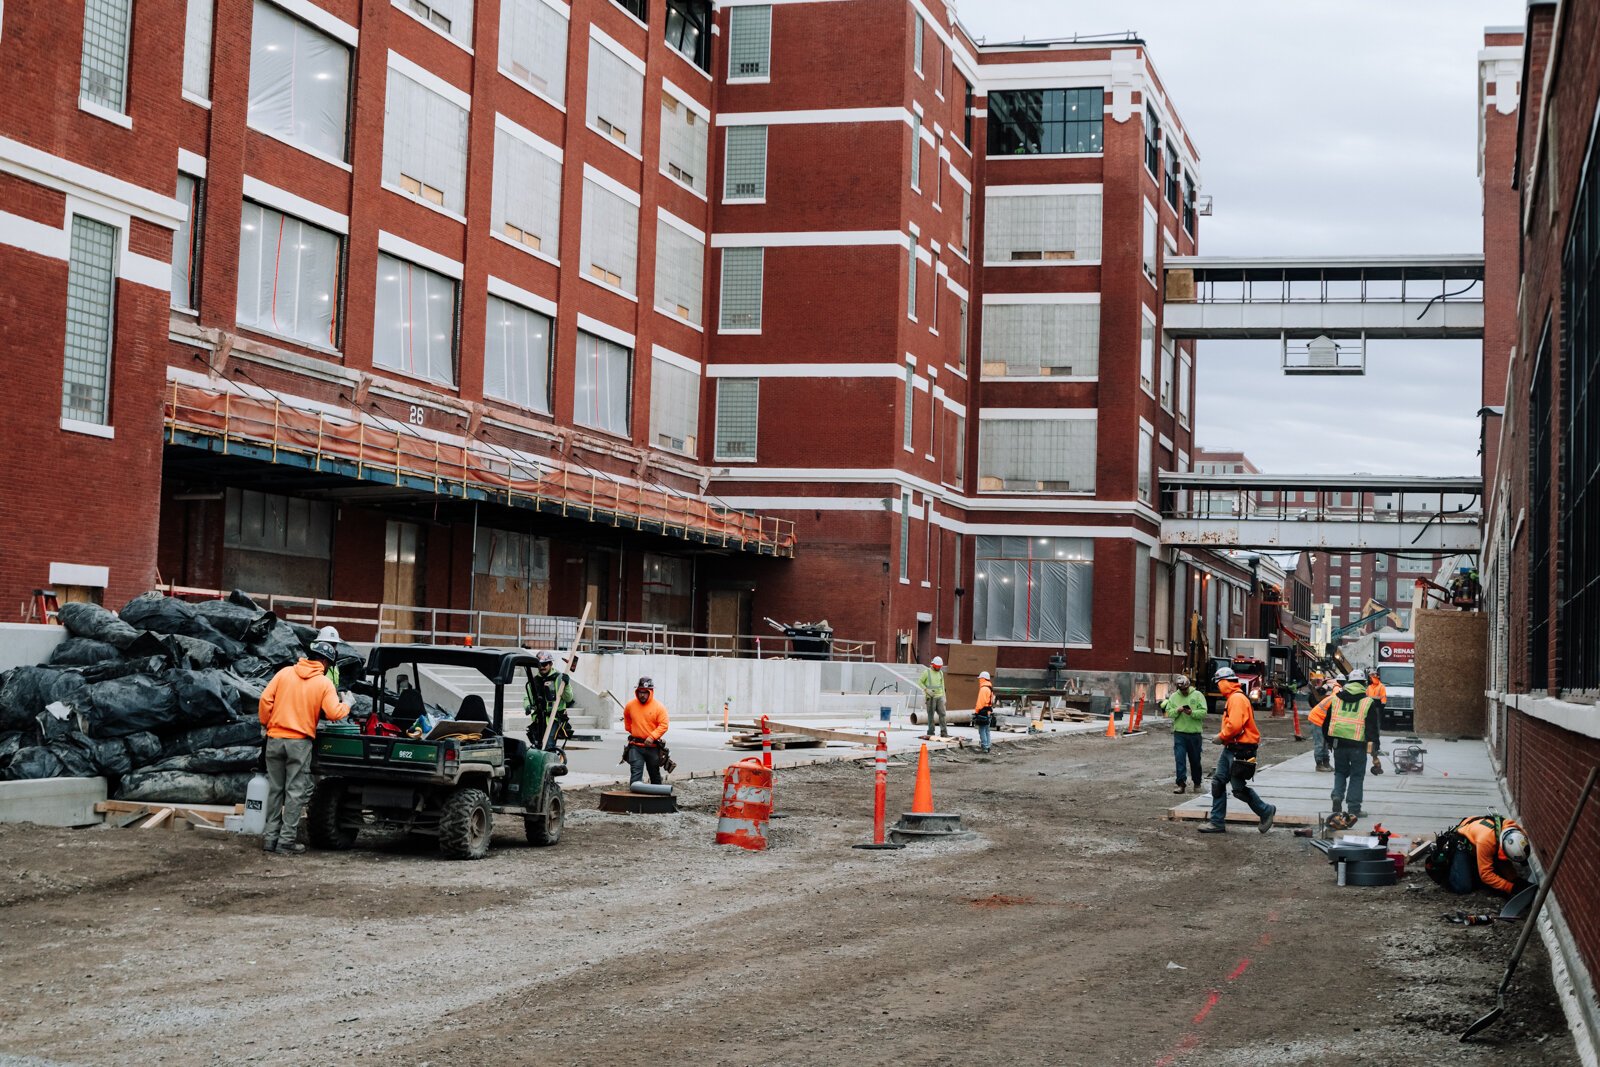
<point x="810" y="731"/>
<point x="748" y="742"/>
<point x="1238" y="816"/>
<point x="104" y="806"/>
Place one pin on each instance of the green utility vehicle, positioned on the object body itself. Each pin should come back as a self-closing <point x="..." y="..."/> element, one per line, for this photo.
<point x="451" y="782"/>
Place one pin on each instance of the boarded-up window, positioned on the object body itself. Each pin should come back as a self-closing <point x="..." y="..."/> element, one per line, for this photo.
<point x="1041" y="340"/>
<point x="1037" y="455"/>
<point x="616" y="96"/>
<point x="680" y="272"/>
<point x="610" y="237"/>
<point x="674" y="408"/>
<point x="685" y="142"/>
<point x="1048" y="228"/>
<point x="527" y="193"/>
<point x="425" y="144"/>
<point x="450" y="17"/>
<point x="533" y="46"/>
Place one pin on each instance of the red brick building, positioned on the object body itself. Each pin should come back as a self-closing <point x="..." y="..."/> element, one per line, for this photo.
<point x="513" y="305"/>
<point x="1540" y="91"/>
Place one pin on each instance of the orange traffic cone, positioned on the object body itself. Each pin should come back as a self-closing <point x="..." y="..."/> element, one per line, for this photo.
<point x="922" y="795"/>
<point x="1111" y="720"/>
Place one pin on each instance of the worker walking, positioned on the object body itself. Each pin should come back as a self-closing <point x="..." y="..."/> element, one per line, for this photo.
<point x="1488" y="852"/>
<point x="1186" y="707"/>
<point x="1237" y="765"/>
<point x="548" y="693"/>
<point x="932" y="685"/>
<point x="1350" y="728"/>
<point x="645" y="719"/>
<point x="1319" y="715"/>
<point x="983" y="710"/>
<point x="290" y="707"/>
<point x="1377" y="691"/>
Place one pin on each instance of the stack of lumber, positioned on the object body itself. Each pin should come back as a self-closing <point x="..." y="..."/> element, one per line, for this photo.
<point x="148" y="815"/>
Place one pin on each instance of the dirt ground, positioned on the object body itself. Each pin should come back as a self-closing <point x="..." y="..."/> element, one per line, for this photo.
<point x="1078" y="927"/>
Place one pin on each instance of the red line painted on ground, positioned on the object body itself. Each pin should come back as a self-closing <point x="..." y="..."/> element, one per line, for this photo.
<point x="1266" y="939"/>
<point x="1211" y="1001"/>
<point x="1244" y="965"/>
<point x="1185" y="1043"/>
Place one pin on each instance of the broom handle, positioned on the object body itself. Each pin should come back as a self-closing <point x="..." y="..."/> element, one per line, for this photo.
<point x="1549" y="881"/>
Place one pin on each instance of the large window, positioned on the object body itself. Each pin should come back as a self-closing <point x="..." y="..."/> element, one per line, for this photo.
<point x="1147" y="352"/>
<point x="1580" y="442"/>
<point x="680" y="272"/>
<point x="1037" y="455"/>
<point x="103" y="74"/>
<point x="1169" y="372"/>
<point x="674" y="407"/>
<point x="602" y="385"/>
<point x="750" y="42"/>
<point x="197" y="49"/>
<point x="1041" y="340"/>
<point x="288" y="277"/>
<point x="916" y="147"/>
<point x="1048" y="227"/>
<point x="1026" y="122"/>
<point x="1174" y="173"/>
<point x="610" y="237"/>
<point x="689" y="30"/>
<point x="961" y="341"/>
<point x="527" y="192"/>
<point x="1184" y="370"/>
<point x="742" y="272"/>
<point x="738" y="418"/>
<point x="533" y="46"/>
<point x="918" y="30"/>
<point x="1151" y="243"/>
<point x="1152" y="141"/>
<point x="1147" y="459"/>
<point x="745" y="166"/>
<point x="616" y="96"/>
<point x="1034" y="589"/>
<point x="299" y="82"/>
<point x="453" y="18"/>
<point x="1141" y="597"/>
<point x="516" y="356"/>
<point x="186" y="244"/>
<point x="414" y="327"/>
<point x="685" y="142"/>
<point x="91" y="295"/>
<point x="425" y="144"/>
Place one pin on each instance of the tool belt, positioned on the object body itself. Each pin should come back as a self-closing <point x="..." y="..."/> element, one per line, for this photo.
<point x="1244" y="762"/>
<point x="644" y="742"/>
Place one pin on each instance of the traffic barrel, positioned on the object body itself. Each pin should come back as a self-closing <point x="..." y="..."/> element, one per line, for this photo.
<point x="746" y="805"/>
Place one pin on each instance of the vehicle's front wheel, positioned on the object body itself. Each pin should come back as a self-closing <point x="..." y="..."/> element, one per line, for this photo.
<point x="545" y="827"/>
<point x="324" y="817"/>
<point x="465" y="825"/>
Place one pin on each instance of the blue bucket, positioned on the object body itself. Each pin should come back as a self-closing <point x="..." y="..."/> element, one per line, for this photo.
<point x="884" y="714"/>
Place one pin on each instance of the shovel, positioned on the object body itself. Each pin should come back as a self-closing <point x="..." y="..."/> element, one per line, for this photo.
<point x="1499" y="1009"/>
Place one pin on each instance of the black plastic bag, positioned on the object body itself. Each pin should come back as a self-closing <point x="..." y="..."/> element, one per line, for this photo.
<point x="132" y="704"/>
<point x="76" y="754"/>
<point x="23" y="694"/>
<point x="213" y="760"/>
<point x="204" y="697"/>
<point x="82" y="651"/>
<point x="169" y="615"/>
<point x="94" y="621"/>
<point x="144" y="748"/>
<point x="47" y="727"/>
<point x="31" y="763"/>
<point x="11" y="743"/>
<point x="227" y="735"/>
<point x="120" y="668"/>
<point x="111" y="757"/>
<point x="281" y="647"/>
<point x="249" y="666"/>
<point x="173" y="787"/>
<point x="246" y="624"/>
<point x="245" y="694"/>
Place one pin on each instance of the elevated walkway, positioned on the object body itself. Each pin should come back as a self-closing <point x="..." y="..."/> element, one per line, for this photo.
<point x="1337" y="297"/>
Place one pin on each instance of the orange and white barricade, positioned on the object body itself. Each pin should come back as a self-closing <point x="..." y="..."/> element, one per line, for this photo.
<point x="746" y="805"/>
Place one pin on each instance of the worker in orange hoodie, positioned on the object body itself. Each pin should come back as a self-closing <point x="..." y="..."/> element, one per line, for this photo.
<point x="290" y="706"/>
<point x="983" y="710"/>
<point x="1497" y="858"/>
<point x="1237" y="764"/>
<point x="645" y="719"/>
<point x="1377" y="691"/>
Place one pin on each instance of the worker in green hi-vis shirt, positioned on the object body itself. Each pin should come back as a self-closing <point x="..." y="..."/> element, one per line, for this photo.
<point x="331" y="636"/>
<point x="1186" y="707"/>
<point x="932" y="685"/>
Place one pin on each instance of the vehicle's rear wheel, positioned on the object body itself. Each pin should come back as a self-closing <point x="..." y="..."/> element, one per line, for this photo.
<point x="545" y="828"/>
<point x="465" y="825"/>
<point x="324" y="817"/>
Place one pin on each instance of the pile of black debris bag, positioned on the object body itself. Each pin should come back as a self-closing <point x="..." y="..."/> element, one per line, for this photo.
<point x="161" y="699"/>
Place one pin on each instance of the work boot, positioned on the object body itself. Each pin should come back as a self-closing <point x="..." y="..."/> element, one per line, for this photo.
<point x="291" y="848"/>
<point x="1197" y="788"/>
<point x="269" y="846"/>
<point x="1212" y="828"/>
<point x="1181" y="788"/>
<point x="1325" y="767"/>
<point x="1266" y="820"/>
<point x="944" y="734"/>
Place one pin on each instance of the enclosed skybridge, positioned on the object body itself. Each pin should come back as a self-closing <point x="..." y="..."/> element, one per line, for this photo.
<point x="1347" y="513"/>
<point x="1324" y="309"/>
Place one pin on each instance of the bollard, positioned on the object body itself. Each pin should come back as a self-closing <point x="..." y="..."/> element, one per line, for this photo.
<point x="1295" y="711"/>
<point x="766" y="743"/>
<point x="880" y="797"/>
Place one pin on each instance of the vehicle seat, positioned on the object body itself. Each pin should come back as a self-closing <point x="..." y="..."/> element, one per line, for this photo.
<point x="407" y="707"/>
<point x="473" y="709"/>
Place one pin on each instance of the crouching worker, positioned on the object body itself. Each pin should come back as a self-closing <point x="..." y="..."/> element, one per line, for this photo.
<point x="1482" y="852"/>
<point x="645" y="719"/>
<point x="290" y="706"/>
<point x="1237" y="765"/>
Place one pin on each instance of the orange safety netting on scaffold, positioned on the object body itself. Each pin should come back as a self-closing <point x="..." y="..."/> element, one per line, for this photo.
<point x="227" y="417"/>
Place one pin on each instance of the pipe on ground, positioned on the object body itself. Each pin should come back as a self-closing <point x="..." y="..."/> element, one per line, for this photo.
<point x="952" y="718"/>
<point x="662" y="790"/>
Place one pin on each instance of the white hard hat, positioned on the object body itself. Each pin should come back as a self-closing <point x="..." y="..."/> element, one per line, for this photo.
<point x="1514" y="843"/>
<point x="329" y="634"/>
<point x="1225" y="673"/>
<point x="1357" y="675"/>
<point x="938" y="661"/>
<point x="1181" y="680"/>
<point x="984" y="675"/>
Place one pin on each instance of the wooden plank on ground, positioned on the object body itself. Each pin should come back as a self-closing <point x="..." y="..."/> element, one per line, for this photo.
<point x="1199" y="814"/>
<point x="160" y="818"/>
<point x="136" y="805"/>
<point x="120" y="819"/>
<point x="811" y="731"/>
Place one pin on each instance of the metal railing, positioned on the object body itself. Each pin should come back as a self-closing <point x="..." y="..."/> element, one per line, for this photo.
<point x="367" y="623"/>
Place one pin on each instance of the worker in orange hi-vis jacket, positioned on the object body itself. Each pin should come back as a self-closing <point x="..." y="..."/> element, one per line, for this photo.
<point x="1237" y="765"/>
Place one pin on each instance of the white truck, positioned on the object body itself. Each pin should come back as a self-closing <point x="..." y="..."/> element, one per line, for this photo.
<point x="1393" y="653"/>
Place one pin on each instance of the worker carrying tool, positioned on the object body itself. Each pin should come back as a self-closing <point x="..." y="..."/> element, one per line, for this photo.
<point x="932" y="686"/>
<point x="1350" y="730"/>
<point x="645" y="719"/>
<point x="290" y="707"/>
<point x="1237" y="765"/>
<point x="1483" y="851"/>
<point x="1319" y="715"/>
<point x="983" y="710"/>
<point x="1186" y="707"/>
<point x="550" y="691"/>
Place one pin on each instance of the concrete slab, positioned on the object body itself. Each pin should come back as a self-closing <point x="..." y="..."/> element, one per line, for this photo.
<point x="1458" y="780"/>
<point x="53" y="801"/>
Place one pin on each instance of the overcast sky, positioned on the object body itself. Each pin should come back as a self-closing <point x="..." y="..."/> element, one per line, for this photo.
<point x="1324" y="127"/>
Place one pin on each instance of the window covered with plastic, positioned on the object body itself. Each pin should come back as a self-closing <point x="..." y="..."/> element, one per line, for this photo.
<point x="1037" y="455"/>
<point x="603" y="384"/>
<point x="610" y="238"/>
<point x="288" y="277"/>
<point x="527" y="193"/>
<point x="680" y="272"/>
<point x="516" y="358"/>
<point x="424" y="144"/>
<point x="1041" y="340"/>
<point x="533" y="46"/>
<point x="414" y="328"/>
<point x="299" y="82"/>
<point x="674" y="408"/>
<point x="186" y="244"/>
<point x="616" y="96"/>
<point x="1038" y="590"/>
<point x="1053" y="226"/>
<point x="453" y="18"/>
<point x="685" y="142"/>
<point x="197" y="49"/>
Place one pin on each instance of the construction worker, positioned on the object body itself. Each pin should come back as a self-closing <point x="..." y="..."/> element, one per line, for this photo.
<point x="645" y="719"/>
<point x="1237" y="765"/>
<point x="983" y="710"/>
<point x="290" y="706"/>
<point x="329" y="635"/>
<point x="1496" y="856"/>
<point x="1186" y="707"/>
<point x="1350" y="727"/>
<point x="932" y="685"/>
<point x="1376" y="690"/>
<point x="1319" y="715"/>
<point x="540" y="697"/>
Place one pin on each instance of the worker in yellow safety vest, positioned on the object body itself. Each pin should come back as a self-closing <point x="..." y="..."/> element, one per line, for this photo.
<point x="1350" y="727"/>
<point x="932" y="685"/>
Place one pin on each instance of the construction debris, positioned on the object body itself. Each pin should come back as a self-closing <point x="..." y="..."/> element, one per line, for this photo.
<point x="749" y="741"/>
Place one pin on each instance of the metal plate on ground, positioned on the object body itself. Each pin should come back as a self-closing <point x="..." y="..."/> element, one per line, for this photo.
<point x="624" y="802"/>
